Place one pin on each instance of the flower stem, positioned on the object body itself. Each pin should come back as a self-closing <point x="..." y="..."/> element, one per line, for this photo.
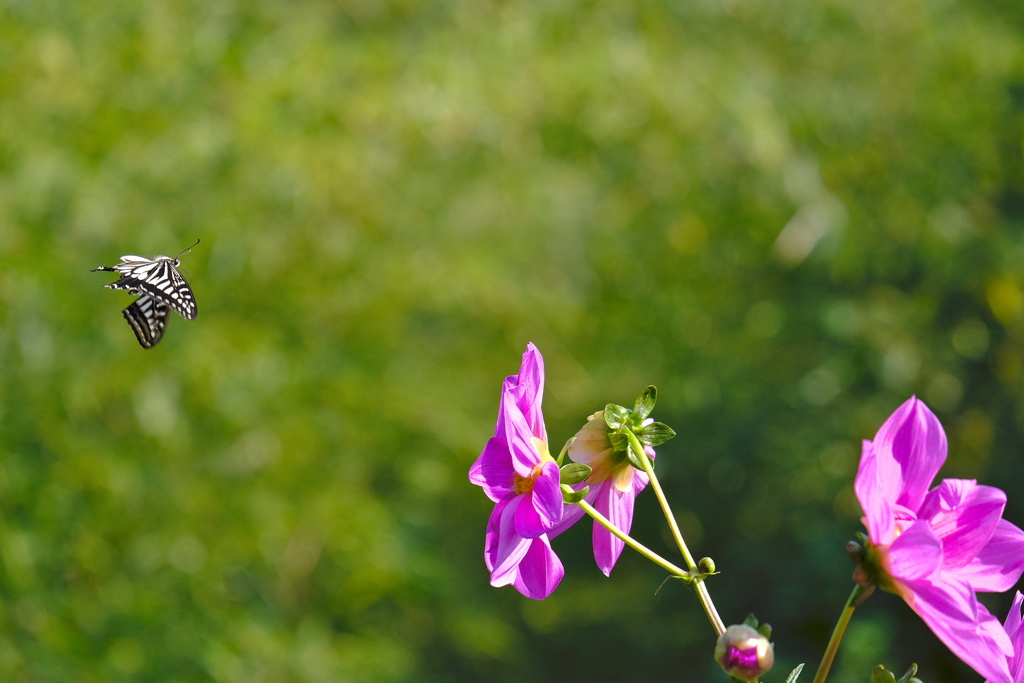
<point x="837" y="634"/>
<point x="702" y="592"/>
<point x="633" y="543"/>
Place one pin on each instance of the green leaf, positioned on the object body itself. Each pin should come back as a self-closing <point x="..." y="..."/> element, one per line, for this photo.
<point x="655" y="434"/>
<point x="570" y="497"/>
<point x="645" y="403"/>
<point x="765" y="630"/>
<point x="574" y="473"/>
<point x="795" y="673"/>
<point x="751" y="621"/>
<point x="615" y="416"/>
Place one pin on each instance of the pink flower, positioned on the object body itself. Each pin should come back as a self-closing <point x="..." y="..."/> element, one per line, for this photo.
<point x="516" y="471"/>
<point x="1014" y="630"/>
<point x="936" y="548"/>
<point x="614" y="486"/>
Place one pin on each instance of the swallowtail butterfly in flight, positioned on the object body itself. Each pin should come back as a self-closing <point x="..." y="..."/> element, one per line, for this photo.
<point x="160" y="288"/>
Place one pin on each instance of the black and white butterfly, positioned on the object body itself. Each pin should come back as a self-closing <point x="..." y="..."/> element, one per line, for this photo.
<point x="160" y="288"/>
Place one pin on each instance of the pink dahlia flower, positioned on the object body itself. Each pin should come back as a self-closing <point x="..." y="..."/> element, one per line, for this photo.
<point x="614" y="486"/>
<point x="936" y="547"/>
<point x="516" y="471"/>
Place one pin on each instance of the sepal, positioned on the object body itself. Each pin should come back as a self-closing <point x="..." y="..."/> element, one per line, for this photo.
<point x="574" y="473"/>
<point x="654" y="434"/>
<point x="634" y="460"/>
<point x="571" y="497"/>
<point x="882" y="675"/>
<point x="565" y="449"/>
<point x="645" y="403"/>
<point x="615" y="416"/>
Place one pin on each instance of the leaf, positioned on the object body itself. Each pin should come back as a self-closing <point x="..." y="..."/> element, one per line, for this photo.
<point x="795" y="673"/>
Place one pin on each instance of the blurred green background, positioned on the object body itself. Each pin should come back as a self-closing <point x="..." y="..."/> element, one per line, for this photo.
<point x="788" y="216"/>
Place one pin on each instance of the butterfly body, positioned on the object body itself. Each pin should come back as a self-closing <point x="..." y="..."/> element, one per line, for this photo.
<point x="160" y="288"/>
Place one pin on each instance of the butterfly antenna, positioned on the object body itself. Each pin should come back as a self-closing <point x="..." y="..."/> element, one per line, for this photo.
<point x="187" y="250"/>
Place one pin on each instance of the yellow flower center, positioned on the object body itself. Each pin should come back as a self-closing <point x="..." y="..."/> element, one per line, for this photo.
<point x="522" y="484"/>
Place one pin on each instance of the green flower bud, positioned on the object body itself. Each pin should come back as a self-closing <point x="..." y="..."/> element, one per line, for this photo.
<point x="744" y="653"/>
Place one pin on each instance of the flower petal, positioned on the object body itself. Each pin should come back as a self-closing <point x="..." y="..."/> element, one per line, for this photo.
<point x="964" y="516"/>
<point x="916" y="555"/>
<point x="526" y="390"/>
<point x="999" y="564"/>
<point x="952" y="612"/>
<point x="910" y="447"/>
<point x="523" y="454"/>
<point x="1016" y="633"/>
<point x="493" y="469"/>
<point x="617" y="506"/>
<point x="504" y="549"/>
<point x="543" y="506"/>
<point x="540" y="571"/>
<point x="874" y="497"/>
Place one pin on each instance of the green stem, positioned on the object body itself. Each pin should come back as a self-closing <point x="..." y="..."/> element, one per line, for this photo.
<point x="632" y="543"/>
<point x="702" y="592"/>
<point x="837" y="634"/>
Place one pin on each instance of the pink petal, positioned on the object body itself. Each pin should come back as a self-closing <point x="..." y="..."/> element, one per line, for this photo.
<point x="954" y="615"/>
<point x="540" y="571"/>
<point x="916" y="555"/>
<point x="504" y="549"/>
<point x="1016" y="633"/>
<point x="1000" y="563"/>
<point x="874" y="497"/>
<point x="520" y="441"/>
<point x="493" y="470"/>
<point x="618" y="508"/>
<point x="526" y="390"/>
<point x="543" y="506"/>
<point x="910" y="448"/>
<point x="964" y="515"/>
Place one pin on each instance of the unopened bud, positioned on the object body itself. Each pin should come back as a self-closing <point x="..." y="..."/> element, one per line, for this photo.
<point x="744" y="653"/>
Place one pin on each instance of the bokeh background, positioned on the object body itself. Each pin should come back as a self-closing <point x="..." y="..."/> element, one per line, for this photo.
<point x="789" y="217"/>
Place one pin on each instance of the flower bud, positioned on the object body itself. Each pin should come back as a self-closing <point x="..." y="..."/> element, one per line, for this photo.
<point x="744" y="653"/>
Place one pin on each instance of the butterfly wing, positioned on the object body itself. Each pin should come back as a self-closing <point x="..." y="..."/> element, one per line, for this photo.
<point x="148" y="320"/>
<point x="158" y="279"/>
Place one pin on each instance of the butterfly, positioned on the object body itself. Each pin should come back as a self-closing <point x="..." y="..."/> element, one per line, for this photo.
<point x="160" y="288"/>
